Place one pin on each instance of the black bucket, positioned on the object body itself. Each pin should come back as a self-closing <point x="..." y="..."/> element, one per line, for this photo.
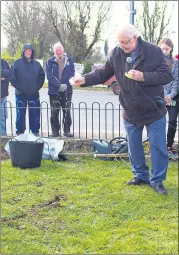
<point x="26" y="154"/>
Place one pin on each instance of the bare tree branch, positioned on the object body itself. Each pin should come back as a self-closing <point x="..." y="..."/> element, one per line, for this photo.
<point x="153" y="26"/>
<point x="76" y="24"/>
<point x="25" y="22"/>
<point x="71" y="23"/>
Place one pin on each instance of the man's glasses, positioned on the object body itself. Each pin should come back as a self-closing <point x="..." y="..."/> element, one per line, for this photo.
<point x="126" y="42"/>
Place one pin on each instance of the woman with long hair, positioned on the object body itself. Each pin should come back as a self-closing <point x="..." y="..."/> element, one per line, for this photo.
<point x="171" y="93"/>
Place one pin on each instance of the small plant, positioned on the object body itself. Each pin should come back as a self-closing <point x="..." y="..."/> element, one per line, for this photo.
<point x="87" y="67"/>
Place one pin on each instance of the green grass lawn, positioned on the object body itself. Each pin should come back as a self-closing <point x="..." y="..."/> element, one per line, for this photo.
<point x="83" y="206"/>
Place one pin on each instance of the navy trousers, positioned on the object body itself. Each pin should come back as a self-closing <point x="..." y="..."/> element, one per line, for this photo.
<point x="33" y="102"/>
<point x="172" y="126"/>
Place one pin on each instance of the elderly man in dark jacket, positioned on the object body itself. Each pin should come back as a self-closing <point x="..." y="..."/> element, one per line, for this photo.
<point x="141" y="71"/>
<point x="59" y="69"/>
<point x="29" y="78"/>
<point x="6" y="75"/>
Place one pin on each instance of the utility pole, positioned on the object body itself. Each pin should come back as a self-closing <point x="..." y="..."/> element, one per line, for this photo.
<point x="132" y="12"/>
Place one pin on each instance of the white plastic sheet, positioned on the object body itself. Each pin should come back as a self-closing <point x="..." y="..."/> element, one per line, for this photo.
<point x="52" y="147"/>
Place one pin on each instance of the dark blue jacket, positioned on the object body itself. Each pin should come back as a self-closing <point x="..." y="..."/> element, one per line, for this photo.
<point x="52" y="70"/>
<point x="29" y="77"/>
<point x="6" y="73"/>
<point x="143" y="102"/>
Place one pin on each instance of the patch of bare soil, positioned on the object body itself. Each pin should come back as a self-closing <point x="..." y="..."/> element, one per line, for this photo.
<point x="4" y="154"/>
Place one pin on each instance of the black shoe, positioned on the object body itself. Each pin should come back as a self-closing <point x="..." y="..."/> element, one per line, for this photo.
<point x="160" y="189"/>
<point x="172" y="153"/>
<point x="137" y="181"/>
<point x="68" y="134"/>
<point x="36" y="134"/>
<point x="19" y="133"/>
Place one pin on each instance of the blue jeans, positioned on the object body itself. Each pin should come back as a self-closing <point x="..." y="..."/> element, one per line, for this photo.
<point x="33" y="103"/>
<point x="159" y="156"/>
<point x="3" y="116"/>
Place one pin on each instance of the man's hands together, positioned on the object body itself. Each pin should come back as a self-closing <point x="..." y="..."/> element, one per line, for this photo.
<point x="62" y="88"/>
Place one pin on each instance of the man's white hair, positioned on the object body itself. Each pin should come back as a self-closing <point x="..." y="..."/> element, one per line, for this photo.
<point x="131" y="29"/>
<point x="58" y="45"/>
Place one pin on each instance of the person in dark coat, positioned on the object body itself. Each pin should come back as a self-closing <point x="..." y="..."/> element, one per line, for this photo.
<point x="141" y="71"/>
<point x="6" y="75"/>
<point x="29" y="78"/>
<point x="171" y="94"/>
<point x="59" y="69"/>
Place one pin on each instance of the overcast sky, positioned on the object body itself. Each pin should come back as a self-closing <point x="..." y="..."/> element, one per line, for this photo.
<point x="120" y="16"/>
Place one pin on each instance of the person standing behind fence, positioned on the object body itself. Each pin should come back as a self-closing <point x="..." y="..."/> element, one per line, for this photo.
<point x="6" y="75"/>
<point x="59" y="69"/>
<point x="29" y="78"/>
<point x="171" y="94"/>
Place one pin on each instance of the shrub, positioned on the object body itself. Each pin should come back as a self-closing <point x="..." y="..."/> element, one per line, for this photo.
<point x="87" y="67"/>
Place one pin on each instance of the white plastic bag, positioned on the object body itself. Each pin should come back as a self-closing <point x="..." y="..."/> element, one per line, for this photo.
<point x="52" y="147"/>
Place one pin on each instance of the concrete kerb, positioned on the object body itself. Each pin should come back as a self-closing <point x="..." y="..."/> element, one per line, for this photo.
<point x="71" y="145"/>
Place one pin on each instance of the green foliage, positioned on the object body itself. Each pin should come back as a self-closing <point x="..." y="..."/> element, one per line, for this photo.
<point x="9" y="58"/>
<point x="19" y="50"/>
<point x="83" y="206"/>
<point x="87" y="67"/>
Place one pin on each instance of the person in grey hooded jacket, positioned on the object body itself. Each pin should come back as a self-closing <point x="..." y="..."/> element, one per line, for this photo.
<point x="171" y="94"/>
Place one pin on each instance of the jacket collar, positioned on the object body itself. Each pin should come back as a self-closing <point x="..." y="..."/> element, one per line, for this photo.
<point x="27" y="60"/>
<point x="139" y="53"/>
<point x="53" y="59"/>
